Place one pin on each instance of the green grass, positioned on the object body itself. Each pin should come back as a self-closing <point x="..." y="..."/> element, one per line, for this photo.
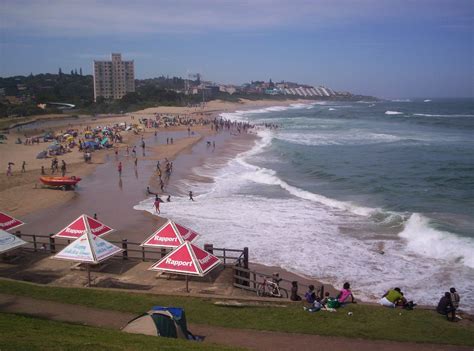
<point x="369" y="322"/>
<point x="28" y="333"/>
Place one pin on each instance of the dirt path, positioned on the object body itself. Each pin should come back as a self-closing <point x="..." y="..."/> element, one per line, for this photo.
<point x="258" y="340"/>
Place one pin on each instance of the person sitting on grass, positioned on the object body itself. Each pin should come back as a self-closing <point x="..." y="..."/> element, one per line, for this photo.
<point x="391" y="298"/>
<point x="345" y="293"/>
<point x="446" y="307"/>
<point x="310" y="295"/>
<point x="294" y="291"/>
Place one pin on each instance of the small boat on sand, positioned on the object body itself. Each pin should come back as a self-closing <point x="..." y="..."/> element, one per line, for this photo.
<point x="64" y="182"/>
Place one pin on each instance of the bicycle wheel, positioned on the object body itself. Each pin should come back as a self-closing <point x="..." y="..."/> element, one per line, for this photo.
<point x="284" y="293"/>
<point x="260" y="290"/>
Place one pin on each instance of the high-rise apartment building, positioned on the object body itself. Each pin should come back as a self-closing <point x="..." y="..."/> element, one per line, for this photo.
<point x="113" y="79"/>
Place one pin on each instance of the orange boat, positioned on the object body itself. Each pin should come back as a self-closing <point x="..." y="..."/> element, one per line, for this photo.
<point x="65" y="182"/>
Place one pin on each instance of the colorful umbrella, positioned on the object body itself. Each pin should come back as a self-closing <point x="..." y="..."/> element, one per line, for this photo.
<point x="8" y="222"/>
<point x="78" y="227"/>
<point x="187" y="259"/>
<point x="170" y="235"/>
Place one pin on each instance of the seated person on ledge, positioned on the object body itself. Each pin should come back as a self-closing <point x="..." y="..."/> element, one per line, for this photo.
<point x="392" y="298"/>
<point x="446" y="307"/>
<point x="345" y="293"/>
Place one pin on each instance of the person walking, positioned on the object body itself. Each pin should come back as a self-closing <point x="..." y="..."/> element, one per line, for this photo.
<point x="9" y="169"/>
<point x="191" y="196"/>
<point x="63" y="168"/>
<point x="157" y="204"/>
<point x="119" y="169"/>
<point x="23" y="167"/>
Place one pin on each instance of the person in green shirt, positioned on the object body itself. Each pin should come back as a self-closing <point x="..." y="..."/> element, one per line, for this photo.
<point x="392" y="298"/>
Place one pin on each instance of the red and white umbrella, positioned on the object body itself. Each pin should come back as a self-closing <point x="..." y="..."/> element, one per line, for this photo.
<point x="187" y="259"/>
<point x="8" y="222"/>
<point x="170" y="235"/>
<point x="77" y="228"/>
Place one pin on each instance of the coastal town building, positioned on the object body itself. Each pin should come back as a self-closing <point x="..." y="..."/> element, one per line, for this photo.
<point x="113" y="79"/>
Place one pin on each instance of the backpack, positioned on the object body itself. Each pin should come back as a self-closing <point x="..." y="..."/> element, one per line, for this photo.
<point x="333" y="303"/>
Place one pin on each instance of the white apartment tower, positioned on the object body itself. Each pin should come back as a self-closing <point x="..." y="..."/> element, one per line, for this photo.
<point x="113" y="79"/>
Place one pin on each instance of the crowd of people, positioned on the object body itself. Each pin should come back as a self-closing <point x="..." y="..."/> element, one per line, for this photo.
<point x="394" y="298"/>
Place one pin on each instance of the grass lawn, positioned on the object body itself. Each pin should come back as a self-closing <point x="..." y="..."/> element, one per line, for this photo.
<point x="369" y="322"/>
<point x="29" y="333"/>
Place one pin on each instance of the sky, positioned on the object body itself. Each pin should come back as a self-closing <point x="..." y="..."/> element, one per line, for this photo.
<point x="384" y="48"/>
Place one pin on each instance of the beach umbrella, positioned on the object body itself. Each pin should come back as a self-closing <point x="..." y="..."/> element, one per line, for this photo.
<point x="170" y="235"/>
<point x="9" y="241"/>
<point x="88" y="249"/>
<point x="79" y="226"/>
<point x="187" y="259"/>
<point x="8" y="222"/>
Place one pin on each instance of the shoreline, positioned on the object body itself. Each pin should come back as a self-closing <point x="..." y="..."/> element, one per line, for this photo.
<point x="38" y="212"/>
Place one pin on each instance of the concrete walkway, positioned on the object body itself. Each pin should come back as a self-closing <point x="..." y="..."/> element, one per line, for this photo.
<point x="258" y="340"/>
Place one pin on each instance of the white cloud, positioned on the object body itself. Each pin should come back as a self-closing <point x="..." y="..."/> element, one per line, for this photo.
<point x="95" y="17"/>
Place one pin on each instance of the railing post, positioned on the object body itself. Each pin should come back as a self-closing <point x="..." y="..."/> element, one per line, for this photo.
<point x="224" y="256"/>
<point x="246" y="257"/>
<point x="124" y="247"/>
<point x="34" y="242"/>
<point x="163" y="253"/>
<point x="143" y="253"/>
<point x="52" y="245"/>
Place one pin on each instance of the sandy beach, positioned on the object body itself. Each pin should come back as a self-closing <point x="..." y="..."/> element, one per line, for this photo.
<point x="21" y="193"/>
<point x="102" y="191"/>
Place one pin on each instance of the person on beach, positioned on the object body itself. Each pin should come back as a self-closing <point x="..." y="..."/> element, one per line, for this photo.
<point x="95" y="216"/>
<point x="135" y="162"/>
<point x="9" y="169"/>
<point x="63" y="168"/>
<point x="294" y="291"/>
<point x="168" y="199"/>
<point x="446" y="308"/>
<point x="191" y="195"/>
<point x="42" y="170"/>
<point x="134" y="151"/>
<point x="23" y="167"/>
<point x="119" y="169"/>
<point x="345" y="293"/>
<point x="157" y="204"/>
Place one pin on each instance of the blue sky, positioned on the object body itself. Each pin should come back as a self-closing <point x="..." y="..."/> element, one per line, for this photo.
<point x="403" y="48"/>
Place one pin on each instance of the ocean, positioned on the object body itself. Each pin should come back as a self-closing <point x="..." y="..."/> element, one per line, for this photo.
<point x="380" y="194"/>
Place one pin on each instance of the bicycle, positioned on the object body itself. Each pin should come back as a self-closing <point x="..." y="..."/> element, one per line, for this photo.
<point x="270" y="289"/>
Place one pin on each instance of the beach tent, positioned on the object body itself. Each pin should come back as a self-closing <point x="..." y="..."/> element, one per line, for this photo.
<point x="170" y="235"/>
<point x="42" y="154"/>
<point x="187" y="259"/>
<point x="9" y="242"/>
<point x="169" y="322"/>
<point x="91" y="144"/>
<point x="88" y="249"/>
<point x="79" y="226"/>
<point x="8" y="222"/>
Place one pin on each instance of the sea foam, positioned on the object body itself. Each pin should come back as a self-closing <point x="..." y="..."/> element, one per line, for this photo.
<point x="393" y="113"/>
<point x="428" y="241"/>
